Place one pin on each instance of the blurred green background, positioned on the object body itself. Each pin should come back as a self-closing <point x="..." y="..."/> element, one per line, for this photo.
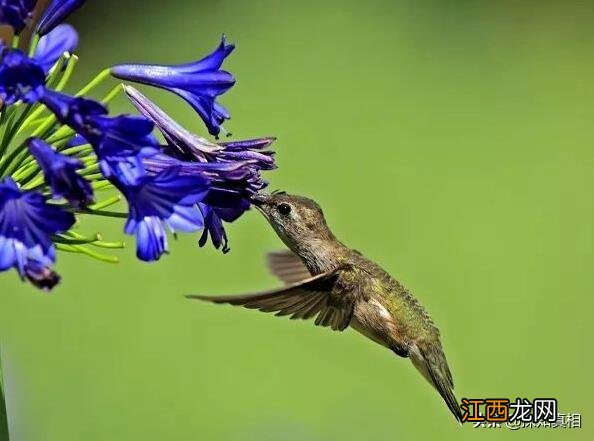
<point x="453" y="142"/>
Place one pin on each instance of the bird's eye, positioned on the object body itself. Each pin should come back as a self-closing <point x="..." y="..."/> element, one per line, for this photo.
<point x="284" y="209"/>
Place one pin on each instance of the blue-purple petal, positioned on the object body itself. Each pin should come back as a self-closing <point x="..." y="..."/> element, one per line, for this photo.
<point x="50" y="48"/>
<point x="21" y="77"/>
<point x="27" y="223"/>
<point x="60" y="174"/>
<point x="164" y="199"/>
<point x="120" y="142"/>
<point x="213" y="227"/>
<point x="16" y="13"/>
<point x="199" y="83"/>
<point x="55" y="14"/>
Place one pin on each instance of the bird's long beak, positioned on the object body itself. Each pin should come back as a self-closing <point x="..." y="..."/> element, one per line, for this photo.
<point x="260" y="199"/>
<point x="262" y="202"/>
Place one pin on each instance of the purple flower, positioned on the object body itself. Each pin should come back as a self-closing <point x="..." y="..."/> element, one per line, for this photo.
<point x="232" y="168"/>
<point x="187" y="146"/>
<point x="227" y="182"/>
<point x="56" y="12"/>
<point x="234" y="164"/>
<point x="183" y="144"/>
<point x="167" y="199"/>
<point x="213" y="226"/>
<point x="124" y="142"/>
<point x="199" y="83"/>
<point x="77" y="140"/>
<point x="120" y="142"/>
<point x="76" y="112"/>
<point x="27" y="223"/>
<point x="60" y="174"/>
<point x="21" y="78"/>
<point x="50" y="48"/>
<point x="249" y="150"/>
<point x="16" y="13"/>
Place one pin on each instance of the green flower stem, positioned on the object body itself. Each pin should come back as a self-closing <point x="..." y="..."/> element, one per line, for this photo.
<point x="45" y="127"/>
<point x="89" y="161"/>
<point x="101" y="76"/>
<point x="104" y="213"/>
<point x="57" y="72"/>
<point x="13" y="160"/>
<point x="6" y="118"/>
<point x="26" y="171"/>
<point x="94" y="177"/>
<point x="3" y="112"/>
<point x="84" y="149"/>
<point x="33" y="117"/>
<point x="109" y="245"/>
<point x="91" y="171"/>
<point x="25" y="174"/>
<point x="33" y="44"/>
<point x="32" y="184"/>
<point x="84" y="250"/>
<point x="21" y="153"/>
<point x="101" y="185"/>
<point x="59" y="238"/>
<point x="98" y="243"/>
<point x="74" y="235"/>
<point x="72" y="61"/>
<point x="34" y="123"/>
<point x="63" y="140"/>
<point x="106" y="203"/>
<point x="62" y="133"/>
<point x="112" y="93"/>
<point x="11" y="131"/>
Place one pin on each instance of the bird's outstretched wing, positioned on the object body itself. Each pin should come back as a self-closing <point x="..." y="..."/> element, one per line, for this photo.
<point x="312" y="297"/>
<point x="287" y="266"/>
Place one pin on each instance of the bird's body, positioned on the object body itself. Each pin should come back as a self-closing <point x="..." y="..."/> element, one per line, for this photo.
<point x="341" y="288"/>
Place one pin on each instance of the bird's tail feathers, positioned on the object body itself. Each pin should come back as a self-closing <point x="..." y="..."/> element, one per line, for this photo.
<point x="429" y="359"/>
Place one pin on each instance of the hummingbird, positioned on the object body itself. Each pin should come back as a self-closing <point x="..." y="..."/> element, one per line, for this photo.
<point x="326" y="280"/>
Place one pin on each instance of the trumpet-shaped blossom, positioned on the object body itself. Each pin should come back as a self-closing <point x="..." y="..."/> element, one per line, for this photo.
<point x="61" y="175"/>
<point x="27" y="223"/>
<point x="183" y="144"/>
<point x="166" y="199"/>
<point x="199" y="83"/>
<point x="187" y="146"/>
<point x="21" y="77"/>
<point x="50" y="47"/>
<point x="56" y="12"/>
<point x="232" y="164"/>
<point x="120" y="142"/>
<point x="233" y="168"/>
<point x="125" y="140"/>
<point x="75" y="112"/>
<point x="16" y="13"/>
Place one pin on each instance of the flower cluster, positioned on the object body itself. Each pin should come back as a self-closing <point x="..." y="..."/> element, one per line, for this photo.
<point x="59" y="152"/>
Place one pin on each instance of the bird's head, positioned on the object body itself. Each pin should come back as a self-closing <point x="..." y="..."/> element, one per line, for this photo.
<point x="297" y="220"/>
